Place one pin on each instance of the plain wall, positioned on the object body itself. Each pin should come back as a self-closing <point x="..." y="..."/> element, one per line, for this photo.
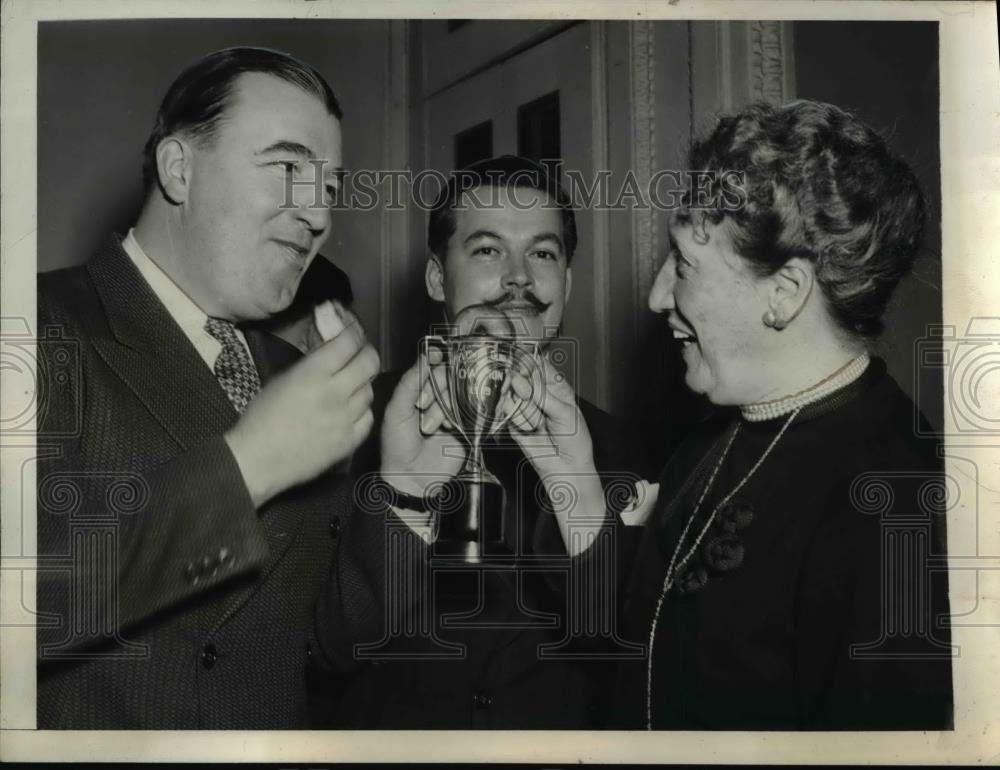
<point x="887" y="74"/>
<point x="101" y="82"/>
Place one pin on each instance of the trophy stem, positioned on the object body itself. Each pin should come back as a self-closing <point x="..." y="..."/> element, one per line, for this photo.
<point x="473" y="530"/>
<point x="474" y="468"/>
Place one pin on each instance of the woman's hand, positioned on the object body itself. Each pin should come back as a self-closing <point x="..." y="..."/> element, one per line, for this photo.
<point x="548" y="426"/>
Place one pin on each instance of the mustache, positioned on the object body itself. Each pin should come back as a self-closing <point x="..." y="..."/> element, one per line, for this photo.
<point x="528" y="296"/>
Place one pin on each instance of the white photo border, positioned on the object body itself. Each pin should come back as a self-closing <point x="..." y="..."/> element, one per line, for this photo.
<point x="970" y="180"/>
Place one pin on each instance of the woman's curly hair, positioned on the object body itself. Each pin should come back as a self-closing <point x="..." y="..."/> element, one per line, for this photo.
<point x="817" y="183"/>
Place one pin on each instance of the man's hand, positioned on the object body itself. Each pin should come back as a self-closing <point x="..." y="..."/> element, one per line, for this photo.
<point x="548" y="426"/>
<point x="419" y="446"/>
<point x="309" y="418"/>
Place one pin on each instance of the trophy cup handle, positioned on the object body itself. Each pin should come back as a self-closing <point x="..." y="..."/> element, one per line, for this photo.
<point x="442" y="400"/>
<point x="528" y="350"/>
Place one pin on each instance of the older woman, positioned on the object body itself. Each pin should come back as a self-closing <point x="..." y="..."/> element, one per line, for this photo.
<point x="791" y="575"/>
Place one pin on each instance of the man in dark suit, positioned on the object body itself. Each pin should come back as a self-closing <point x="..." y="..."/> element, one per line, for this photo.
<point x="490" y="646"/>
<point x="187" y="512"/>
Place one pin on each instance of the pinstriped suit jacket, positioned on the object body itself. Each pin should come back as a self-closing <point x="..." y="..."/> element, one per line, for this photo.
<point x="166" y="600"/>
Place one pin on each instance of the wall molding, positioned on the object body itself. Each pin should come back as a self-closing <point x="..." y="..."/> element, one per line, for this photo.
<point x="395" y="155"/>
<point x="739" y="62"/>
<point x="771" y="67"/>
<point x="642" y="71"/>
<point x="601" y="249"/>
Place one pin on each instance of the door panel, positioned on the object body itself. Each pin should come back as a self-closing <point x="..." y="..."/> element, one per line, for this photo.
<point x="558" y="71"/>
<point x="454" y="49"/>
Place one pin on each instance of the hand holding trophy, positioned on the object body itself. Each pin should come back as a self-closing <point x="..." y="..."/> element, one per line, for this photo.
<point x="480" y="359"/>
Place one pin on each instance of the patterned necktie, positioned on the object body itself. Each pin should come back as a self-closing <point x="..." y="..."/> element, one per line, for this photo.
<point x="233" y="368"/>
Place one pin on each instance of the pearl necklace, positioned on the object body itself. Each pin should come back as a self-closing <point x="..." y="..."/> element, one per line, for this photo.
<point x="769" y="410"/>
<point x="675" y="566"/>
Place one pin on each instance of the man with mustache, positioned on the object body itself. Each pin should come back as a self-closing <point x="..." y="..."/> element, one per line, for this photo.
<point x="501" y="239"/>
<point x="187" y="511"/>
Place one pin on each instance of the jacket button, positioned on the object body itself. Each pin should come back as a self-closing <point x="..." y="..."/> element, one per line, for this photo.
<point x="209" y="655"/>
<point x="224" y="555"/>
<point x="482" y="700"/>
<point x="191" y="572"/>
<point x="335" y="527"/>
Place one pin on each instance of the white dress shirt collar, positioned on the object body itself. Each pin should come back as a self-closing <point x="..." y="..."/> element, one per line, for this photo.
<point x="188" y="316"/>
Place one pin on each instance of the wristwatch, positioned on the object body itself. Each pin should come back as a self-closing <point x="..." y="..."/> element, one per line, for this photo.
<point x="386" y="494"/>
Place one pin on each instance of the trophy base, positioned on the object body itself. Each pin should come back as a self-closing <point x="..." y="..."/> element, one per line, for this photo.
<point x="470" y="523"/>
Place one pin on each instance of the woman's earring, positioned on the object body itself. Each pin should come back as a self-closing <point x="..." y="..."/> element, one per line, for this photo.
<point x="771" y="320"/>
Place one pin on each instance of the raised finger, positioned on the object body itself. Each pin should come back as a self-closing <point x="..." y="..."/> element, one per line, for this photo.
<point x="557" y="385"/>
<point x="362" y="427"/>
<point x="359" y="401"/>
<point x="521" y="385"/>
<point x="358" y="372"/>
<point x="431" y="420"/>
<point x="528" y="411"/>
<point x="521" y="423"/>
<point x="330" y="357"/>
<point x="351" y="323"/>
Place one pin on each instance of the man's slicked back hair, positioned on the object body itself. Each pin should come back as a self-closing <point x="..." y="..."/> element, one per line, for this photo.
<point x="196" y="102"/>
<point x="506" y="171"/>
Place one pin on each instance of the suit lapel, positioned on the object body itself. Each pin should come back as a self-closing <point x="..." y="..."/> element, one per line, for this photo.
<point x="158" y="363"/>
<point x="153" y="357"/>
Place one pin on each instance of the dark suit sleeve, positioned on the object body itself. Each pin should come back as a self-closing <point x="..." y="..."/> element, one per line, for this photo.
<point x="592" y="591"/>
<point x="121" y="543"/>
<point x="379" y="578"/>
<point x="380" y="572"/>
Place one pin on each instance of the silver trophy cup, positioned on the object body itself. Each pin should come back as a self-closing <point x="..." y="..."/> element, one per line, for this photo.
<point x="479" y="369"/>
